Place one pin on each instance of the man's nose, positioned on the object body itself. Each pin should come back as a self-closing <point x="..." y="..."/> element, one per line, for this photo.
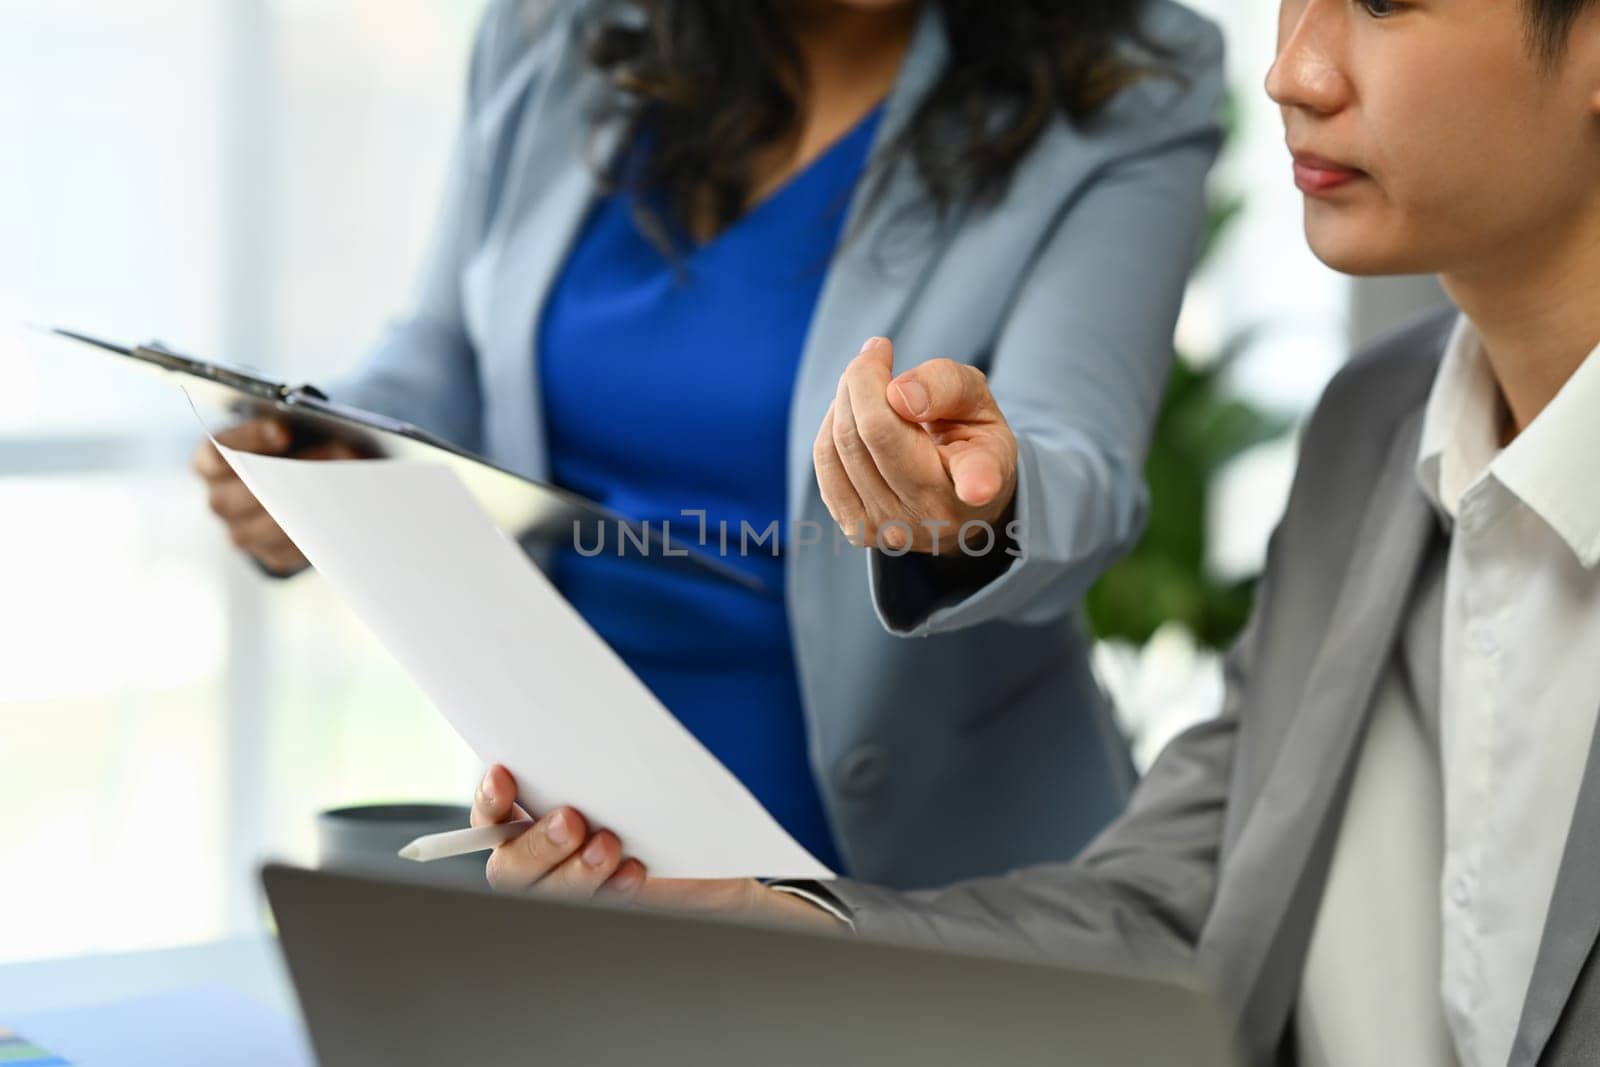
<point x="1309" y="70"/>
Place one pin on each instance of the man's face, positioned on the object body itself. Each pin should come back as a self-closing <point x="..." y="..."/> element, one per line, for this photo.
<point x="1432" y="136"/>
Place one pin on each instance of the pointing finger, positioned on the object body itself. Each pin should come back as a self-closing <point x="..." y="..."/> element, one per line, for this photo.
<point x="977" y="473"/>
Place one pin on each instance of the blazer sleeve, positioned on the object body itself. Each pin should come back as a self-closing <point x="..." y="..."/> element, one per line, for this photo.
<point x="424" y="368"/>
<point x="1079" y="370"/>
<point x="1139" y="894"/>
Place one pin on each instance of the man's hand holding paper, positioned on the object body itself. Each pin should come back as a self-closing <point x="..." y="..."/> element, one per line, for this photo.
<point x="562" y="855"/>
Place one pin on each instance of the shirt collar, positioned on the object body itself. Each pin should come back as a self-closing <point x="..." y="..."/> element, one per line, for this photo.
<point x="1545" y="467"/>
<point x="1459" y="438"/>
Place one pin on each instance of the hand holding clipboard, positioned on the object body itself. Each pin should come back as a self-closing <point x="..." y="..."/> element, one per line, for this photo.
<point x="317" y="427"/>
<point x="250" y="528"/>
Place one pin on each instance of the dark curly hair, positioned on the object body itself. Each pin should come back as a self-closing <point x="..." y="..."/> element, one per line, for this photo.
<point x="712" y="82"/>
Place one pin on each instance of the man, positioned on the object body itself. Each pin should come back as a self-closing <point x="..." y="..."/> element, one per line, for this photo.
<point x="1387" y="848"/>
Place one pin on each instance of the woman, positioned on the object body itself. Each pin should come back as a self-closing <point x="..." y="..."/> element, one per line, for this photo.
<point x="669" y="229"/>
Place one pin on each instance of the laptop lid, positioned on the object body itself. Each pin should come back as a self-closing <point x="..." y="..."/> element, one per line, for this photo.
<point x="407" y="974"/>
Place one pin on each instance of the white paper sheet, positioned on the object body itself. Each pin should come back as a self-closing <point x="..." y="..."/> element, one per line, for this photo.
<point x="517" y="671"/>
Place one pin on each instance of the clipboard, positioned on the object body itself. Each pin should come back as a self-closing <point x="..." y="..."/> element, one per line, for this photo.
<point x="524" y="509"/>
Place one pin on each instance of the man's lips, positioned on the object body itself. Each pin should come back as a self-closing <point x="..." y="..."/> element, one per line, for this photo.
<point x="1314" y="175"/>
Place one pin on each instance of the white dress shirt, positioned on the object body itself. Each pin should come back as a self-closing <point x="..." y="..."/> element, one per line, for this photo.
<point x="1452" y="897"/>
<point x="1369" y="993"/>
<point x="1520" y="690"/>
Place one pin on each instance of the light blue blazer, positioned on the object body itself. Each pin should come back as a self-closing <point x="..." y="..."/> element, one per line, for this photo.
<point x="954" y="731"/>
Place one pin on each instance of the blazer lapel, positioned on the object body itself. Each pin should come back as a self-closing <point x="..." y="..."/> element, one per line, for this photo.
<point x="1571" y="926"/>
<point x="551" y="190"/>
<point x="521" y="281"/>
<point x="1271" y="883"/>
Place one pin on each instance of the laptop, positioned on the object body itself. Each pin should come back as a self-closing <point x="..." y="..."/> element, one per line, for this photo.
<point x="404" y="974"/>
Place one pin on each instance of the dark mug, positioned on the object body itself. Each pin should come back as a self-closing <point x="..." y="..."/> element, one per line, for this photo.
<point x="367" y="838"/>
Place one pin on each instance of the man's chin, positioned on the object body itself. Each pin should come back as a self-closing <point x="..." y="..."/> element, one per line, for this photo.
<point x="1362" y="255"/>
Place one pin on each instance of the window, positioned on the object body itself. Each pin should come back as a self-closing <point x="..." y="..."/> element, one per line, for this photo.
<point x="249" y="178"/>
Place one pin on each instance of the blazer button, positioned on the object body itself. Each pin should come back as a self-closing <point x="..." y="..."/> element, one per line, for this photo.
<point x="862" y="770"/>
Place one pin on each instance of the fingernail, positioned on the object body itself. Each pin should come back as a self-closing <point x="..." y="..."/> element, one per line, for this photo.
<point x="486" y="790"/>
<point x="627" y="881"/>
<point x="595" y="854"/>
<point x="870" y="344"/>
<point x="558" y="831"/>
<point x="277" y="436"/>
<point x="914" y="396"/>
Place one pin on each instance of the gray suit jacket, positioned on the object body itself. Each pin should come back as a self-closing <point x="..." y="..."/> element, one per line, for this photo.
<point x="1220" y="860"/>
<point x="983" y="743"/>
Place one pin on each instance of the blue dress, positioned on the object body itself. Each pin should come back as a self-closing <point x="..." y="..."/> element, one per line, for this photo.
<point x="666" y="388"/>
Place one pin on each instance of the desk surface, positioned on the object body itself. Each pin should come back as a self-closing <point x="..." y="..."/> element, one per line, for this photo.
<point x="251" y="966"/>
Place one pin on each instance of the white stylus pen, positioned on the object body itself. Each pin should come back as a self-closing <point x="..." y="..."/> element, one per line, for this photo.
<point x="460" y="842"/>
